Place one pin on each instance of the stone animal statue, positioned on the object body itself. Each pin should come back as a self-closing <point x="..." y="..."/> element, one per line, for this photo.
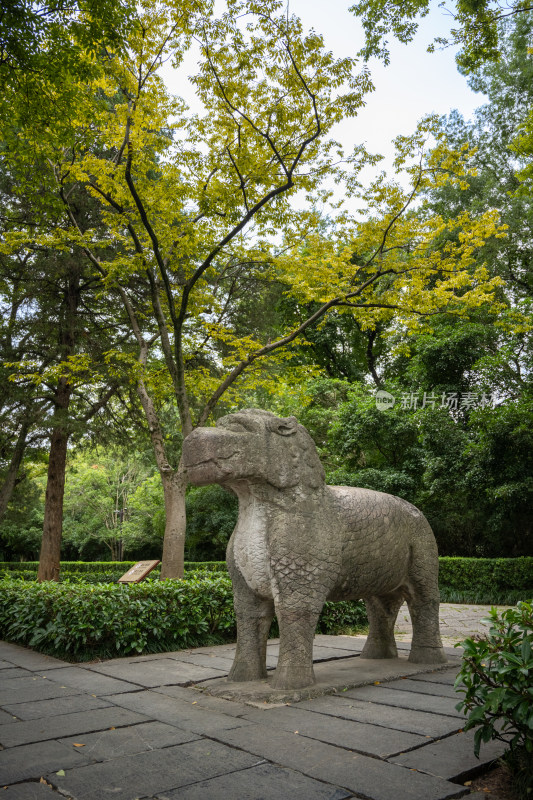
<point x="299" y="542"/>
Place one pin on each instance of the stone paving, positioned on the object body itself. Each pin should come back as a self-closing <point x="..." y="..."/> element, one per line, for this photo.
<point x="146" y="727"/>
<point x="457" y="622"/>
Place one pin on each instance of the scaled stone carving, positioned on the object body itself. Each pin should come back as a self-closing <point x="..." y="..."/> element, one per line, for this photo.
<point x="299" y="542"/>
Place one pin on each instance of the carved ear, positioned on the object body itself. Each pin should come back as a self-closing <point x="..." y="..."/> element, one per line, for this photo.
<point x="284" y="427"/>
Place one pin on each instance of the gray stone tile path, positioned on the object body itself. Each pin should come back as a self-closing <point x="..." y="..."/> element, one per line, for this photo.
<point x="457" y="622"/>
<point x="146" y="727"/>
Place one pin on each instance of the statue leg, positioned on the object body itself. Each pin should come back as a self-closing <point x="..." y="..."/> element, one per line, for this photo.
<point x="423" y="601"/>
<point x="382" y="612"/>
<point x="297" y="627"/>
<point x="426" y="646"/>
<point x="254" y="617"/>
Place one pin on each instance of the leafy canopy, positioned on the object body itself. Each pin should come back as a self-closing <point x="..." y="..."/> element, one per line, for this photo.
<point x="474" y="27"/>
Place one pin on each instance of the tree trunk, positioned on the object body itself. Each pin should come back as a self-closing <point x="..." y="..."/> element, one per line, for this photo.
<point x="49" y="559"/>
<point x="55" y="487"/>
<point x="11" y="478"/>
<point x="174" y="486"/>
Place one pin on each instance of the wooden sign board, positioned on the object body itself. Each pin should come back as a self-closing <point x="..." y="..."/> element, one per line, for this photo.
<point x="138" y="572"/>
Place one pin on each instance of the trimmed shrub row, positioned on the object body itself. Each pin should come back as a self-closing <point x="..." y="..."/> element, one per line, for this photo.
<point x="490" y="577"/>
<point x="80" y="621"/>
<point x="82" y="567"/>
<point x="98" y="571"/>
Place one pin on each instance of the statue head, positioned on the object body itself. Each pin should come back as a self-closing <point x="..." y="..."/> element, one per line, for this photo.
<point x="253" y="445"/>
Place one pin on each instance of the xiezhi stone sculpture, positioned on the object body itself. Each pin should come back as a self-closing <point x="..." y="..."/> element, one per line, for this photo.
<point x="299" y="542"/>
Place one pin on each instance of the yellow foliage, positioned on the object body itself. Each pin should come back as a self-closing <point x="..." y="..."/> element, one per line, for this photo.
<point x="193" y="207"/>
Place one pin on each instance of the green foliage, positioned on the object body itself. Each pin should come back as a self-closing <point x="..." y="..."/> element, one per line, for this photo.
<point x="485" y="580"/>
<point x="469" y="470"/>
<point x="81" y="621"/>
<point x="342" y="617"/>
<point x="499" y="581"/>
<point x="501" y="465"/>
<point x="381" y="450"/>
<point x="51" y="39"/>
<point x="97" y="571"/>
<point x="499" y="181"/>
<point x="495" y="679"/>
<point x="475" y="27"/>
<point x="211" y="516"/>
<point x="98" y="482"/>
<point x="78" y="620"/>
<point x="442" y="359"/>
<point x="21" y="528"/>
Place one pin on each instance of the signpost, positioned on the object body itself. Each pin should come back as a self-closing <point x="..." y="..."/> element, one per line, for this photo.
<point x="138" y="572"/>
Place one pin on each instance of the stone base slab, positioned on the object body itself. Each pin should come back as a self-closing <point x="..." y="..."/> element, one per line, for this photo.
<point x="332" y="677"/>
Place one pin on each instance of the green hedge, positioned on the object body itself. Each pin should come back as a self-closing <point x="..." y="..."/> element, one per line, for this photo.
<point x="98" y="571"/>
<point x="85" y="621"/>
<point x="89" y="615"/>
<point x="462" y="580"/>
<point x="81" y="567"/>
<point x="80" y="621"/>
<point x="476" y="577"/>
<point x="486" y="580"/>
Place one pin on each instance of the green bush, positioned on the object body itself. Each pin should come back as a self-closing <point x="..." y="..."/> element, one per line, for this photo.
<point x="495" y="679"/>
<point x="501" y="581"/>
<point x="81" y="621"/>
<point x="486" y="573"/>
<point x="485" y="580"/>
<point x="343" y="617"/>
<point x="98" y="571"/>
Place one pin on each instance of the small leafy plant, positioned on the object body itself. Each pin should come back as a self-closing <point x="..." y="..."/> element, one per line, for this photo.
<point x="496" y="679"/>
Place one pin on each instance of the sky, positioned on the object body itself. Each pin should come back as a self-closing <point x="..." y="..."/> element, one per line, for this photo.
<point x="415" y="83"/>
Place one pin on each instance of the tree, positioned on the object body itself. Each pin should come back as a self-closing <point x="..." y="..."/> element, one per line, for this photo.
<point x="256" y="158"/>
<point x="468" y="469"/>
<point x="211" y="517"/>
<point x="100" y="500"/>
<point x="21" y="410"/>
<point x="43" y="45"/>
<point x="22" y="524"/>
<point x="496" y="182"/>
<point x="54" y="342"/>
<point x="193" y="205"/>
<point x="476" y="28"/>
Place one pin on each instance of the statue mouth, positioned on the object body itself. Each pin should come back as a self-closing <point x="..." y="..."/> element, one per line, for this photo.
<point x="209" y="470"/>
<point x="189" y="462"/>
